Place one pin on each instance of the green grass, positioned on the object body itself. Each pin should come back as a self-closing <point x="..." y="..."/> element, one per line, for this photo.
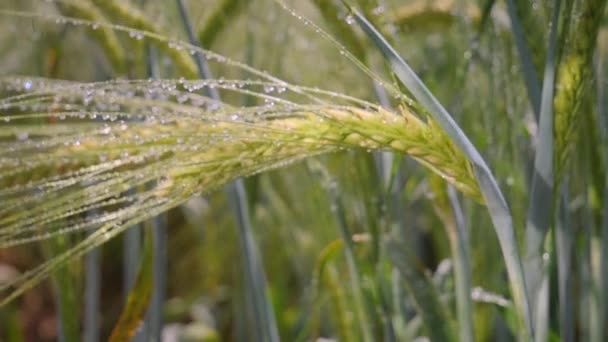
<point x="392" y="170"/>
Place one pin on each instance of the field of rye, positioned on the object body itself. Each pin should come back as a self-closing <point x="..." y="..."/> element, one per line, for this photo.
<point x="303" y="170"/>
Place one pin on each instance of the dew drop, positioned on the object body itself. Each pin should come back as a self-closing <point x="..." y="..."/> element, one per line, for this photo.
<point x="378" y="10"/>
<point x="182" y="98"/>
<point x="21" y="136"/>
<point x="212" y="107"/>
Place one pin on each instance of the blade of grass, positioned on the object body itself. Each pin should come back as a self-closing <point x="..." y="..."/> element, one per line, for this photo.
<point x="132" y="250"/>
<point x="221" y="18"/>
<point x="138" y="299"/>
<point x="105" y="36"/>
<point x="602" y="105"/>
<point x="595" y="327"/>
<point x="154" y="321"/>
<point x="448" y="208"/>
<point x="265" y="324"/>
<point x="528" y="69"/>
<point x="201" y="64"/>
<point x="65" y="296"/>
<point x="604" y="265"/>
<point x="266" y="327"/>
<point x="330" y="11"/>
<point x="540" y="211"/>
<point x="159" y="230"/>
<point x="385" y="162"/>
<point x="592" y="144"/>
<point x="11" y="323"/>
<point x="65" y="289"/>
<point x="494" y="199"/>
<point x="390" y="212"/>
<point x="92" y="295"/>
<point x="593" y="166"/>
<point x="397" y="218"/>
<point x="399" y="317"/>
<point x="132" y="255"/>
<point x="462" y="268"/>
<point x="425" y="295"/>
<point x="346" y="329"/>
<point x="564" y="240"/>
<point x="585" y="281"/>
<point x="131" y="16"/>
<point x="337" y="208"/>
<point x="541" y="309"/>
<point x="322" y="263"/>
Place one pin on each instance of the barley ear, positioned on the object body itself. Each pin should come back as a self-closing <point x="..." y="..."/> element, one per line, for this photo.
<point x="574" y="77"/>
